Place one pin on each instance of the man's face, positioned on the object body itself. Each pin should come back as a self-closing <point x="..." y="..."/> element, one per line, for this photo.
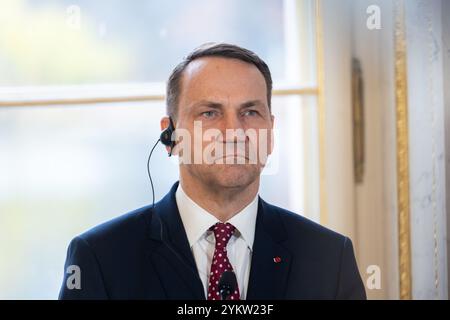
<point x="225" y="95"/>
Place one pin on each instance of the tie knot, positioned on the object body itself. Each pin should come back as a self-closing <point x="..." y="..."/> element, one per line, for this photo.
<point x="222" y="233"/>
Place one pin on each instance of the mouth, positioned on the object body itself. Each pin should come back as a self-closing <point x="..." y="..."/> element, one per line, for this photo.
<point x="233" y="156"/>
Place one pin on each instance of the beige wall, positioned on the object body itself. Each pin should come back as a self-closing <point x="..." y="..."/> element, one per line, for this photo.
<point x="366" y="212"/>
<point x="339" y="188"/>
<point x="375" y="198"/>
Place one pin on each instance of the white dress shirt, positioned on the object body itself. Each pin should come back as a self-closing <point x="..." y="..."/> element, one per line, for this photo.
<point x="197" y="221"/>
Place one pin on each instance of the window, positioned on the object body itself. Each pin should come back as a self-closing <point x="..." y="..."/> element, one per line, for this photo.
<point x="81" y="98"/>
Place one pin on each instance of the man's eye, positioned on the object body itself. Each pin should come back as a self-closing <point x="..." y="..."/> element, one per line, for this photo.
<point x="208" y="114"/>
<point x="250" y="113"/>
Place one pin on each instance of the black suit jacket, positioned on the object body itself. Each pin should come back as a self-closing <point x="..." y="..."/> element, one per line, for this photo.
<point x="145" y="254"/>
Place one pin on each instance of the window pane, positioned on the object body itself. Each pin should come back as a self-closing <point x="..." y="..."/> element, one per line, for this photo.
<point x="84" y="41"/>
<point x="64" y="169"/>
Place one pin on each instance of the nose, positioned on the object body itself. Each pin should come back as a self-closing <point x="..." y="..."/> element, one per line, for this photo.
<point x="233" y="123"/>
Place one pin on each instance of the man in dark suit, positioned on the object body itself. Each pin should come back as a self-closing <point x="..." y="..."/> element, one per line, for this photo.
<point x="213" y="222"/>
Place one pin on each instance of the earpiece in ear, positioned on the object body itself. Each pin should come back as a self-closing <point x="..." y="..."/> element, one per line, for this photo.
<point x="166" y="136"/>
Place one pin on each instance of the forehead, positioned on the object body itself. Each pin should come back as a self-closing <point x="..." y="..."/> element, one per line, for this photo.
<point x="217" y="77"/>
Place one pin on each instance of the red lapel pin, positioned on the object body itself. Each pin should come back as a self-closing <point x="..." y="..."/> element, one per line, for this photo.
<point x="277" y="259"/>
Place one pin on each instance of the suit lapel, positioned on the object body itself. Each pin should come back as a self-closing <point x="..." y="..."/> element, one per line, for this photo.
<point x="170" y="254"/>
<point x="270" y="259"/>
<point x="174" y="263"/>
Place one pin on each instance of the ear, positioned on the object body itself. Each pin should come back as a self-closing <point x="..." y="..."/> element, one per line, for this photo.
<point x="164" y="123"/>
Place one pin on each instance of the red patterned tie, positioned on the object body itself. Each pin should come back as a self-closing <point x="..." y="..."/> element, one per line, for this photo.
<point x="220" y="262"/>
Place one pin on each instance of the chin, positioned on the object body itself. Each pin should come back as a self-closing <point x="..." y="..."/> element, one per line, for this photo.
<point x="235" y="176"/>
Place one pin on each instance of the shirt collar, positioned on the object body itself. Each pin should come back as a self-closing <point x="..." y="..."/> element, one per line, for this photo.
<point x="197" y="220"/>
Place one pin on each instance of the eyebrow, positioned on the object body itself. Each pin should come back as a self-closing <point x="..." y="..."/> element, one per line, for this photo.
<point x="207" y="103"/>
<point x="252" y="103"/>
<point x="218" y="105"/>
